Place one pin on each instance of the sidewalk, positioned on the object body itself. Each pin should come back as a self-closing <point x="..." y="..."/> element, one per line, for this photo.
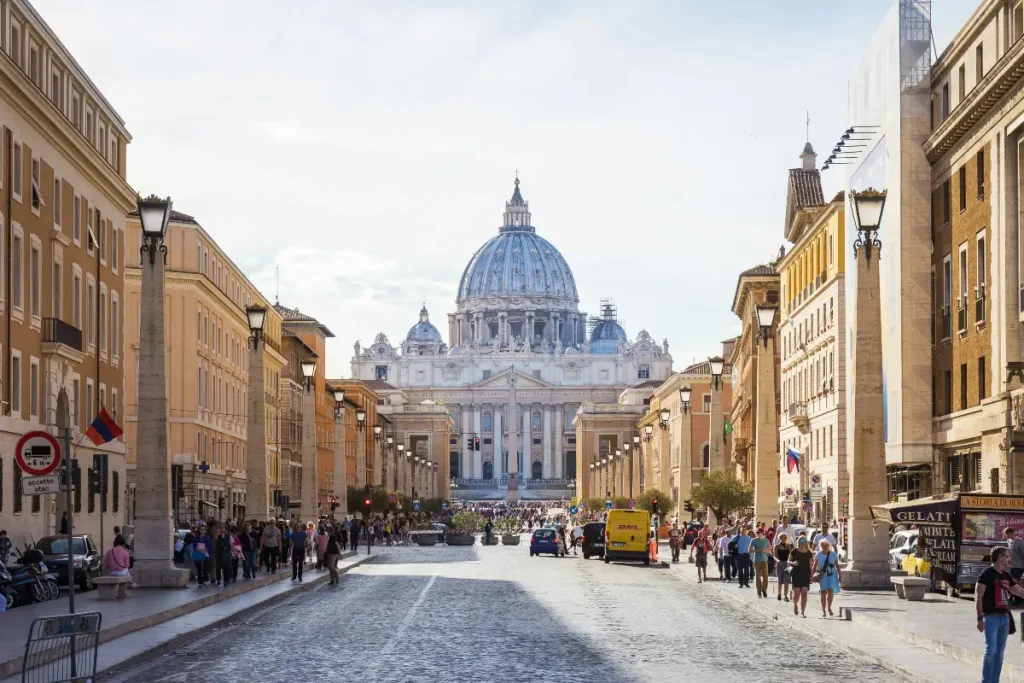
<point x="934" y="641"/>
<point x="150" y="618"/>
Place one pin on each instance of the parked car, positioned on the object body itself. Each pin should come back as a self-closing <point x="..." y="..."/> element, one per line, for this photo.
<point x="901" y="545"/>
<point x="546" y="541"/>
<point x="593" y="540"/>
<point x="85" y="554"/>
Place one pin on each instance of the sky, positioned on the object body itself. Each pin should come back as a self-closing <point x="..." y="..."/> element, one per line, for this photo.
<point x="364" y="150"/>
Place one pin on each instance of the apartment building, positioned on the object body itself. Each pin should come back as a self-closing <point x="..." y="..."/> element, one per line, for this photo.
<point x="813" y="347"/>
<point x="973" y="148"/>
<point x="63" y="198"/>
<point x="208" y="365"/>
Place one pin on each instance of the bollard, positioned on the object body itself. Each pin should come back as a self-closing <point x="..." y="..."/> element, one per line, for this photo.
<point x="653" y="549"/>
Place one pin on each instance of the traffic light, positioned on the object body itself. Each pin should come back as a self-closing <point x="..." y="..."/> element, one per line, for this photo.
<point x="654" y="505"/>
<point x="367" y="497"/>
<point x="94" y="480"/>
<point x="688" y="506"/>
<point x="476" y="443"/>
<point x="469" y="442"/>
<point x="220" y="503"/>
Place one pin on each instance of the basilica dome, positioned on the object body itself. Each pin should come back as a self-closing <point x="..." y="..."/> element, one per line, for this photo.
<point x="607" y="333"/>
<point x="517" y="262"/>
<point x="424" y="330"/>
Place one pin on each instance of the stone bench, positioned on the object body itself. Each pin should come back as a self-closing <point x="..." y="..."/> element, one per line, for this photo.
<point x="112" y="587"/>
<point x="910" y="587"/>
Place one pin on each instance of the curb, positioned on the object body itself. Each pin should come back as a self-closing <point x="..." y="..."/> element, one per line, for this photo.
<point x="1011" y="672"/>
<point x="185" y="638"/>
<point x="858" y="652"/>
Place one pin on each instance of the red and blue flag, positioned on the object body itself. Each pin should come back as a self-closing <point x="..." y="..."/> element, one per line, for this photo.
<point x="103" y="429"/>
<point x="792" y="460"/>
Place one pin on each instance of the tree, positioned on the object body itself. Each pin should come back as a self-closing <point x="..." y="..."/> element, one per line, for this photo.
<point x="594" y="504"/>
<point x="646" y="502"/>
<point x="722" y="493"/>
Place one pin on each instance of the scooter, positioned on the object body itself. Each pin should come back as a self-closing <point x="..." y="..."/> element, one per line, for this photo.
<point x="28" y="582"/>
<point x="7" y="593"/>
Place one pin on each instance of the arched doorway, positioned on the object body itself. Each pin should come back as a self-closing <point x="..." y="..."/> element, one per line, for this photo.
<point x="537" y="470"/>
<point x="488" y="470"/>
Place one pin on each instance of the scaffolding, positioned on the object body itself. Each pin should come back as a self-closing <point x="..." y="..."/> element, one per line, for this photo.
<point x="609" y="312"/>
<point x="915" y="44"/>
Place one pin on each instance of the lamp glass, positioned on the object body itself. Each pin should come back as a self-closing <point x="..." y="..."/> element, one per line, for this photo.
<point x="308" y="368"/>
<point x="618" y="453"/>
<point x="257" y="316"/>
<point x="766" y="315"/>
<point x="377" y="430"/>
<point x="391" y="440"/>
<point x="401" y="447"/>
<point x="636" y="439"/>
<point x="154" y="213"/>
<point x="717" y="365"/>
<point x="339" y="395"/>
<point x="867" y="209"/>
<point x="684" y="394"/>
<point x="665" y="414"/>
<point x="625" y="447"/>
<point x="360" y="415"/>
<point x="649" y="429"/>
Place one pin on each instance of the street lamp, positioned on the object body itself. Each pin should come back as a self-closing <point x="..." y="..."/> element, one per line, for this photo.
<point x="636" y="441"/>
<point x="339" y="400"/>
<point x="390" y="441"/>
<point x="867" y="215"/>
<point x="378" y="430"/>
<point x="308" y="370"/>
<point x="717" y="367"/>
<point x="257" y="316"/>
<point x="765" y="321"/>
<point x="665" y="415"/>
<point x="629" y="453"/>
<point x="154" y="213"/>
<point x="401" y="448"/>
<point x="648" y="431"/>
<point x="684" y="399"/>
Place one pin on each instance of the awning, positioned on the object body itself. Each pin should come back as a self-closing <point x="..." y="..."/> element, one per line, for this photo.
<point x="936" y="510"/>
<point x="209" y="504"/>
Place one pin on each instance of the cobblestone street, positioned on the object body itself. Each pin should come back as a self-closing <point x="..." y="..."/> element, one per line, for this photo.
<point x="495" y="614"/>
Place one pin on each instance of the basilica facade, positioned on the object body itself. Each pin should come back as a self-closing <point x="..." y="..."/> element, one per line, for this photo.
<point x="520" y="361"/>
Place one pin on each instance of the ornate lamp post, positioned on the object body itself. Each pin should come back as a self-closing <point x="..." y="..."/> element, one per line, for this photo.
<point x="400" y="463"/>
<point x="717" y="418"/>
<point x="257" y="503"/>
<point x="664" y="415"/>
<point x="593" y="483"/>
<point x="154" y="528"/>
<point x="766" y="465"/>
<point x="618" y="465"/>
<point x="685" y="452"/>
<point x="340" y="482"/>
<point x="308" y="503"/>
<point x="627" y="451"/>
<point x="867" y="551"/>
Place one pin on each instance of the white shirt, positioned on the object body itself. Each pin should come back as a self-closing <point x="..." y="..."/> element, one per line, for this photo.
<point x="578" y="532"/>
<point x="788" y="530"/>
<point x="820" y="536"/>
<point x="723" y="543"/>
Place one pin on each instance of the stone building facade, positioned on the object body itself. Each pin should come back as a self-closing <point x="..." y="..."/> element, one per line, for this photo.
<point x="62" y="257"/>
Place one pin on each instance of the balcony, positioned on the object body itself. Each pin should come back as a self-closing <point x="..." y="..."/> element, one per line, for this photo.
<point x="946" y="324"/>
<point x="63" y="339"/>
<point x="961" y="317"/>
<point x="979" y="305"/>
<point x="798" y="415"/>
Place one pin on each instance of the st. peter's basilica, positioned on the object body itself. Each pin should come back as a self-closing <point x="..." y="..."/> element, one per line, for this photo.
<point x="516" y="311"/>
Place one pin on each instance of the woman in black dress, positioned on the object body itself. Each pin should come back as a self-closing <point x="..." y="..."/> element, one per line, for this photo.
<point x="800" y="561"/>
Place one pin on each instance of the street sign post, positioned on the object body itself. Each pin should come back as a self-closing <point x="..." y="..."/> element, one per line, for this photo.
<point x="574" y="510"/>
<point x="632" y="503"/>
<point x="608" y="505"/>
<point x="415" y="506"/>
<point x="37" y="454"/>
<point x="816" y="487"/>
<point x="36" y="486"/>
<point x="392" y="498"/>
<point x="808" y="506"/>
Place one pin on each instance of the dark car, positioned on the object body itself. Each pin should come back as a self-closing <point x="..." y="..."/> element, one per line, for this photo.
<point x="85" y="555"/>
<point x="546" y="541"/>
<point x="593" y="540"/>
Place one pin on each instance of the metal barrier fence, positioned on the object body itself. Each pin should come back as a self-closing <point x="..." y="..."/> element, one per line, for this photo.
<point x="62" y="649"/>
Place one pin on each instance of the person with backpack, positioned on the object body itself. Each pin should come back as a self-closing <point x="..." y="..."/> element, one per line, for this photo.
<point x="270" y="544"/>
<point x="331" y="557"/>
<point x="699" y="552"/>
<point x="225" y="557"/>
<point x="201" y="547"/>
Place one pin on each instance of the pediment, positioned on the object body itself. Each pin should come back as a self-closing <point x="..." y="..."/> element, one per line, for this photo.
<point x="523" y="381"/>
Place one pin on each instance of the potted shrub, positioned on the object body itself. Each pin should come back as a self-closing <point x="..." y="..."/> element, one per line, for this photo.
<point x="463" y="525"/>
<point x="508" y="528"/>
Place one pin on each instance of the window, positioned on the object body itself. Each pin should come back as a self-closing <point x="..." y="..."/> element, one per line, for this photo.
<point x="16" y="383"/>
<point x="18" y="172"/>
<point x="381" y="372"/>
<point x="982" y="379"/>
<point x="55" y="88"/>
<point x="488" y="422"/>
<point x="536" y="422"/>
<point x="33" y="63"/>
<point x="979" y="63"/>
<point x="76" y="300"/>
<point x="56" y="201"/>
<point x="981" y="274"/>
<point x="487" y="374"/>
<point x="1018" y="21"/>
<point x="962" y="177"/>
<point x="76" y="220"/>
<point x="76" y="111"/>
<point x="18" y="495"/>
<point x="57" y="287"/>
<point x="35" y="292"/>
<point x="707" y="403"/>
<point x="103" y="319"/>
<point x="981" y="174"/>
<point x="114" y="250"/>
<point x="947" y="283"/>
<point x="116" y="490"/>
<point x="33" y="390"/>
<point x="962" y="299"/>
<point x="90" y="312"/>
<point x="945" y="100"/>
<point x="947" y="203"/>
<point x="962" y="85"/>
<point x="37" y="195"/>
<point x="115" y="329"/>
<point x="705" y="456"/>
<point x="15" y="45"/>
<point x="963" y="386"/>
<point x="76" y="388"/>
<point x="948" y="382"/>
<point x="90" y="414"/>
<point x="90" y="234"/>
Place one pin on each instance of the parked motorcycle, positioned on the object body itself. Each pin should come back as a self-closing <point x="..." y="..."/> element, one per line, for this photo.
<point x="28" y="578"/>
<point x="7" y="592"/>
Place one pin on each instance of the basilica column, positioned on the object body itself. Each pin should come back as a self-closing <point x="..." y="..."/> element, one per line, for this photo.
<point x="466" y="467"/>
<point x="527" y="469"/>
<point x="478" y="467"/>
<point x="547" y="441"/>
<point x="559" y="468"/>
<point x="498" y="423"/>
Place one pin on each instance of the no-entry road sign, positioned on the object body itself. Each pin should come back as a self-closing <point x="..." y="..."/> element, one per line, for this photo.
<point x="37" y="454"/>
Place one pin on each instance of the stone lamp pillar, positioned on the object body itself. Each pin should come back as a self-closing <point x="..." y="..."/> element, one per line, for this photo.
<point x="154" y="527"/>
<point x="766" y="466"/>
<point x="339" y="482"/>
<point x="257" y="502"/>
<point x="308" y="509"/>
<point x="716" y="424"/>
<point x="685" y="455"/>
<point x="867" y="548"/>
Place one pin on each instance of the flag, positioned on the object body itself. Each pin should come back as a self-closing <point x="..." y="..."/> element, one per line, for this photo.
<point x="103" y="429"/>
<point x="726" y="430"/>
<point x="792" y="460"/>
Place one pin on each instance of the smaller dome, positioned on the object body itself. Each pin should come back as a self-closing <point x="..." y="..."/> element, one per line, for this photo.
<point x="607" y="333"/>
<point x="424" y="330"/>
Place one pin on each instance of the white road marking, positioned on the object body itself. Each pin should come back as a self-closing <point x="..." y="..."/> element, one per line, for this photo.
<point x="390" y="646"/>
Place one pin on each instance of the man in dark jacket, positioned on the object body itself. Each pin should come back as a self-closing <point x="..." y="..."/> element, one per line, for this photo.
<point x="223" y="552"/>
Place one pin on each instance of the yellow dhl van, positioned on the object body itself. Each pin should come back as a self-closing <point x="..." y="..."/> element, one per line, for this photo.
<point x="626" y="534"/>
